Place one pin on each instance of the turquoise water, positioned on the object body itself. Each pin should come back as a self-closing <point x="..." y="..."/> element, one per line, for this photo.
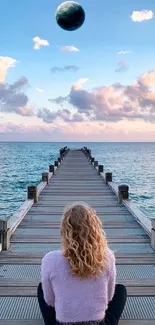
<point x="21" y="164"/>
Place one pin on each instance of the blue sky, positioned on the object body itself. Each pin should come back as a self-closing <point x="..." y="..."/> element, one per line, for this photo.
<point x="108" y="29"/>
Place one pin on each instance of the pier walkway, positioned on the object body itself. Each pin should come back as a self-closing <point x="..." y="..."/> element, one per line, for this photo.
<point x="76" y="179"/>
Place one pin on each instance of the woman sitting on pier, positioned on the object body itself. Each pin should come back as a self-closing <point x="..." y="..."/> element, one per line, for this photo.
<point x="78" y="281"/>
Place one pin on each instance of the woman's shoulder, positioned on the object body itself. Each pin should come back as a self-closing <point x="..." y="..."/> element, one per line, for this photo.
<point x="110" y="253"/>
<point x="51" y="256"/>
<point x="110" y="257"/>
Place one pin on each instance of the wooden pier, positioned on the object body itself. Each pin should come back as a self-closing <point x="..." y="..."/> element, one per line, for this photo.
<point x="34" y="230"/>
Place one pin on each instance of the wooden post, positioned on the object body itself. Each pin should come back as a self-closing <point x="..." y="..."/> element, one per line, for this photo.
<point x="56" y="164"/>
<point x="51" y="169"/>
<point x="108" y="178"/>
<point x="45" y="177"/>
<point x="92" y="160"/>
<point x="5" y="235"/>
<point x="100" y="169"/>
<point x="153" y="234"/>
<point x="95" y="163"/>
<point x="32" y="193"/>
<point x="123" y="193"/>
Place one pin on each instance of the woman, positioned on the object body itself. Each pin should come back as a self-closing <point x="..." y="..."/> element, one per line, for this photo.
<point x="78" y="282"/>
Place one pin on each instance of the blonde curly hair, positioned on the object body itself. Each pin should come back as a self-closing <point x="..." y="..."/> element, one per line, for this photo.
<point x="83" y="241"/>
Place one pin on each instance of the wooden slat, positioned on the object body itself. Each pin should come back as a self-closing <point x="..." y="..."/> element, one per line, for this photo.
<point x="46" y="205"/>
<point x="24" y="289"/>
<point x="105" y="200"/>
<point x="48" y="224"/>
<point x="140" y="256"/>
<point x="100" y="214"/>
<point x="85" y="197"/>
<point x="29" y="282"/>
<point x="37" y="260"/>
<point x="50" y="239"/>
<point x="41" y="322"/>
<point x="32" y="291"/>
<point x="28" y="322"/>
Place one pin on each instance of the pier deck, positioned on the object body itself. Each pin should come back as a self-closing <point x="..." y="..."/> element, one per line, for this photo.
<point x="76" y="180"/>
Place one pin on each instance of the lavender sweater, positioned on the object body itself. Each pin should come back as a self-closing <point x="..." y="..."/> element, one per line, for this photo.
<point x="76" y="300"/>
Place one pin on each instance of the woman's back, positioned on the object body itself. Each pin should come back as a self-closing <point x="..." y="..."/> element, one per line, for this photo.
<point x="78" y="282"/>
<point x="76" y="299"/>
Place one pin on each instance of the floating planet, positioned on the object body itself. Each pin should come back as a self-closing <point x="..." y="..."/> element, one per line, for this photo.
<point x="70" y="15"/>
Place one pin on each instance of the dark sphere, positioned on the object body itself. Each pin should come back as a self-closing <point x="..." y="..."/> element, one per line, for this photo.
<point x="70" y="15"/>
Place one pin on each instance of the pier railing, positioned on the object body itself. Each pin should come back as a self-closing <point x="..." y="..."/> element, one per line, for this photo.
<point x="122" y="193"/>
<point x="9" y="225"/>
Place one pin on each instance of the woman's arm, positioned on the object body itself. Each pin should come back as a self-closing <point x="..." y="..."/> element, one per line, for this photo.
<point x="46" y="275"/>
<point x="112" y="276"/>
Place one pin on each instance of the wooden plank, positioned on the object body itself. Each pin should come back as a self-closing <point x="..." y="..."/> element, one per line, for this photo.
<point x="32" y="291"/>
<point x="50" y="224"/>
<point x="89" y="199"/>
<point x="138" y="256"/>
<point x="100" y="214"/>
<point x="41" y="322"/>
<point x="80" y="191"/>
<point x="29" y="282"/>
<point x="107" y="204"/>
<point x="102" y="210"/>
<point x="62" y="203"/>
<point x="37" y="260"/>
<point x="42" y="214"/>
<point x="50" y="239"/>
<point x="30" y="322"/>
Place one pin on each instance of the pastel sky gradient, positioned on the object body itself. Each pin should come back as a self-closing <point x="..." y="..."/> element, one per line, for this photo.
<point x="93" y="84"/>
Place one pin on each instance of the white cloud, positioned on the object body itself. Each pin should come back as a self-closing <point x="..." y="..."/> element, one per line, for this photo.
<point x="77" y="85"/>
<point x="39" y="90"/>
<point x="6" y="62"/>
<point x="38" y="42"/>
<point x="139" y="16"/>
<point x="123" y="52"/>
<point x="70" y="48"/>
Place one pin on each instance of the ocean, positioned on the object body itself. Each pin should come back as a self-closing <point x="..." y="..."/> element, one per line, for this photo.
<point x="21" y="164"/>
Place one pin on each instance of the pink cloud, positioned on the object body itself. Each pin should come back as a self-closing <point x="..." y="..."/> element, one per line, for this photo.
<point x="91" y="131"/>
<point x="13" y="98"/>
<point x="115" y="102"/>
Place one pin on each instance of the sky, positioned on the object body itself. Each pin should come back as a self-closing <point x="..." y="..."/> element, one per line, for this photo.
<point x="93" y="84"/>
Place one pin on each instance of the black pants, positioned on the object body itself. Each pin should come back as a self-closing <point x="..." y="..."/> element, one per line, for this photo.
<point x="113" y="313"/>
